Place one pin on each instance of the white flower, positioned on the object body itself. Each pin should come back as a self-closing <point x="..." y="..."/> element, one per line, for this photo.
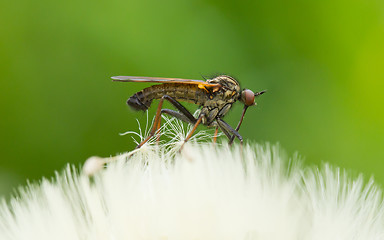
<point x="205" y="192"/>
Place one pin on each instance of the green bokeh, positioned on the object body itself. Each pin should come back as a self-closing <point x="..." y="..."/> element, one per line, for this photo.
<point x="321" y="61"/>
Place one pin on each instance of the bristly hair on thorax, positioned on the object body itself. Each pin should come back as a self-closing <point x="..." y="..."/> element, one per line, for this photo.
<point x="216" y="74"/>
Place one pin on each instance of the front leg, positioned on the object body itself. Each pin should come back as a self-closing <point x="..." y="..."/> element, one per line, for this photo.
<point x="239" y="124"/>
<point x="228" y="130"/>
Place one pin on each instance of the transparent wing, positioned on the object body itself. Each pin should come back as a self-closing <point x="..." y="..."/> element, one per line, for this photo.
<point x="164" y="80"/>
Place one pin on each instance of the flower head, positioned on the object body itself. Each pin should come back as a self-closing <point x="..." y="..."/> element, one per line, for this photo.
<point x="204" y="192"/>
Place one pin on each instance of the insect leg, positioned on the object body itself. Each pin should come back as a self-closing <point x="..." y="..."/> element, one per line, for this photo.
<point x="224" y="131"/>
<point x="177" y="115"/>
<point x="215" y="135"/>
<point x="184" y="115"/>
<point x="181" y="108"/>
<point x="156" y="123"/>
<point x="158" y="131"/>
<point x="228" y="130"/>
<point x="193" y="129"/>
<point x="239" y="124"/>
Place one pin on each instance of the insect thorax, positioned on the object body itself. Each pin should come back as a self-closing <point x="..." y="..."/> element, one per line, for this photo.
<point x="220" y="100"/>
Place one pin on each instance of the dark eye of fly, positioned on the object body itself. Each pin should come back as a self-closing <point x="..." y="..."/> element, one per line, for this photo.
<point x="248" y="97"/>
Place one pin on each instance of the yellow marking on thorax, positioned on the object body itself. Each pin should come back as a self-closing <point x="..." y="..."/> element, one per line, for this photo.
<point x="201" y="86"/>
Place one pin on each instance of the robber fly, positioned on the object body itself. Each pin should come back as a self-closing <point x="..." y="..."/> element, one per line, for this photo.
<point x="215" y="97"/>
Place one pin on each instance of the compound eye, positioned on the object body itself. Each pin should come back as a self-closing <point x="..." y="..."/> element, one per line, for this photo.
<point x="248" y="97"/>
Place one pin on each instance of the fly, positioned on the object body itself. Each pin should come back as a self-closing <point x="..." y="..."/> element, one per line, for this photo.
<point x="215" y="97"/>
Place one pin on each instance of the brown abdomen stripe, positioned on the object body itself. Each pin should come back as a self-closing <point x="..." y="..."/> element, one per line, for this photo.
<point x="182" y="92"/>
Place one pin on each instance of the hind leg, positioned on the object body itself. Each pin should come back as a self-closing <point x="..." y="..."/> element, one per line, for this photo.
<point x="156" y="124"/>
<point x="183" y="115"/>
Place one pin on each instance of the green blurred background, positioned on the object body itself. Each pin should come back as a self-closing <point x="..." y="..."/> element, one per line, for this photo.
<point x="321" y="61"/>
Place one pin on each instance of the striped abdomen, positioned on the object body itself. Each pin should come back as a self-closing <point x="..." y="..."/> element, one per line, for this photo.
<point x="182" y="92"/>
